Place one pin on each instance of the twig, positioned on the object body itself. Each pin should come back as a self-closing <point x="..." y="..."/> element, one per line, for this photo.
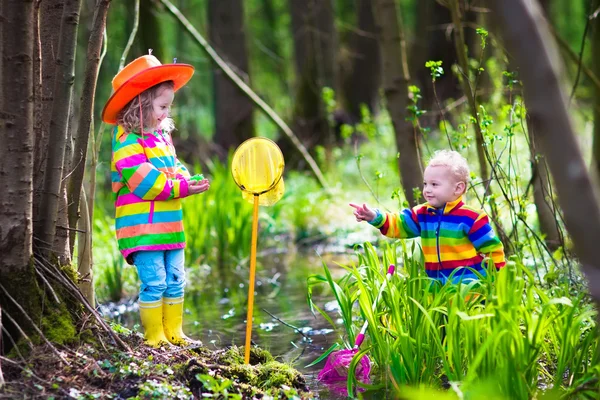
<point x="260" y="103"/>
<point x="15" y="347"/>
<point x="1" y="376"/>
<point x="38" y="330"/>
<point x="565" y="46"/>
<point x="43" y="278"/>
<point x="296" y="329"/>
<point x="75" y="292"/>
<point x="136" y="20"/>
<point x="30" y="373"/>
<point x="357" y="157"/>
<point x="580" y="59"/>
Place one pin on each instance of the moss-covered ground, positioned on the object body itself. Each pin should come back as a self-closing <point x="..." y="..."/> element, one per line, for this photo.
<point x="96" y="368"/>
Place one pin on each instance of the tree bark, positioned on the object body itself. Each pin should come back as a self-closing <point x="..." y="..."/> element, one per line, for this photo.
<point x="150" y="31"/>
<point x="432" y="42"/>
<point x="596" y="70"/>
<point x="63" y="91"/>
<point x="86" y="111"/>
<point x="1" y="349"/>
<point x="361" y="83"/>
<point x="465" y="81"/>
<point x="234" y="112"/>
<point x="395" y="86"/>
<point x="248" y="91"/>
<point x="529" y="41"/>
<point x="16" y="151"/>
<point x="314" y="58"/>
<point x="46" y="48"/>
<point x="16" y="131"/>
<point x="84" y="253"/>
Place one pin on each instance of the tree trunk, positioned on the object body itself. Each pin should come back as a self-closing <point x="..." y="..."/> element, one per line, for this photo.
<point x="596" y="69"/>
<point x="1" y="350"/>
<point x="63" y="91"/>
<point x="530" y="43"/>
<point x="314" y="43"/>
<point x="433" y="43"/>
<point x="233" y="110"/>
<point x="395" y="84"/>
<point x="16" y="152"/>
<point x="85" y="117"/>
<point x="16" y="131"/>
<point x="150" y="31"/>
<point x="361" y="83"/>
<point x="542" y="196"/>
<point x="274" y="43"/>
<point x="46" y="47"/>
<point x="465" y="81"/>
<point x="84" y="253"/>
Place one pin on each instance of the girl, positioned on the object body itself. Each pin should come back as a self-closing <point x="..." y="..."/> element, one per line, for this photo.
<point x="148" y="181"/>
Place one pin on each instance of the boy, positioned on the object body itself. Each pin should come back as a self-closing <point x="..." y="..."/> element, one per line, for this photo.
<point x="453" y="235"/>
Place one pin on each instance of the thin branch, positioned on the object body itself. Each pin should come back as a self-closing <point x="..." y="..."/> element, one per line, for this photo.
<point x="260" y="103"/>
<point x="75" y="292"/>
<point x="296" y="329"/>
<point x="38" y="330"/>
<point x="23" y="334"/>
<point x="30" y="373"/>
<point x="136" y="21"/>
<point x="14" y="343"/>
<point x="565" y="46"/>
<point x="43" y="278"/>
<point x="580" y="59"/>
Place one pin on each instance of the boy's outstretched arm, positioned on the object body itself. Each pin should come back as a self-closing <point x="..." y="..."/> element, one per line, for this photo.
<point x="485" y="240"/>
<point x="363" y="213"/>
<point x="395" y="225"/>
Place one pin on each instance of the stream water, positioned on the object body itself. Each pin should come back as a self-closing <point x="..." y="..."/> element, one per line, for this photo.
<point x="216" y="307"/>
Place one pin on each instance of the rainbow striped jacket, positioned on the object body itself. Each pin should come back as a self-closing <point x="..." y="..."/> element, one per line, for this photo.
<point x="148" y="182"/>
<point x="452" y="237"/>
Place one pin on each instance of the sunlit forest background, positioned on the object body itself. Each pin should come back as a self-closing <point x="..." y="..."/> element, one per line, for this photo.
<point x="358" y="94"/>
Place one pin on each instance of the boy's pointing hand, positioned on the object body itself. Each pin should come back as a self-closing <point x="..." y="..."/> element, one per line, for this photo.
<point x="363" y="213"/>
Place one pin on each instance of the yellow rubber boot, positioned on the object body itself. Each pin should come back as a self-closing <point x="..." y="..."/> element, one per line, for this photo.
<point x="151" y="314"/>
<point x="173" y="321"/>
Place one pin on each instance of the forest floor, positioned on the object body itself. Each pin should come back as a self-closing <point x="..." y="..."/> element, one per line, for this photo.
<point x="101" y="368"/>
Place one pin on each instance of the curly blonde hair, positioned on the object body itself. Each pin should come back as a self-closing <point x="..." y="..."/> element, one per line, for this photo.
<point x="129" y="116"/>
<point x="453" y="160"/>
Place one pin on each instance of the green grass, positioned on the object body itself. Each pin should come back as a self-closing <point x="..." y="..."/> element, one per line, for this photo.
<point x="521" y="339"/>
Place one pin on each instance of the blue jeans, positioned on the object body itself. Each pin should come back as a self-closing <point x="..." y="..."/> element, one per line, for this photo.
<point x="162" y="274"/>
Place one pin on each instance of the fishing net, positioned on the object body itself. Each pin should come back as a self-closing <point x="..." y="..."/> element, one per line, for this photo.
<point x="337" y="365"/>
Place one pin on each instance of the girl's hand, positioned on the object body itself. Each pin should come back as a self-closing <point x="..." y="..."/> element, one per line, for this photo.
<point x="363" y="213"/>
<point x="195" y="187"/>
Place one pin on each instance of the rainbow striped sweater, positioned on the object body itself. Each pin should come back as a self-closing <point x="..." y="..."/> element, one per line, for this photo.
<point x="148" y="182"/>
<point x="452" y="237"/>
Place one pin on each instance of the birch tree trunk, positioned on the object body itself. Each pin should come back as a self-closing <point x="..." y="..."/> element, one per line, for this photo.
<point x="530" y="43"/>
<point x="63" y="91"/>
<point x="233" y="110"/>
<point x="395" y="86"/>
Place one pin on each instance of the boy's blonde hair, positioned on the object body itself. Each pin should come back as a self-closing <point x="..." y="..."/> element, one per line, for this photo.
<point x="129" y="116"/>
<point x="453" y="160"/>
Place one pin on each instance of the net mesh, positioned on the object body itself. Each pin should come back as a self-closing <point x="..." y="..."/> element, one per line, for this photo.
<point x="337" y="365"/>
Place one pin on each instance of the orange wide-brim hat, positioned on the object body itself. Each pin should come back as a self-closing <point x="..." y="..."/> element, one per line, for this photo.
<point x="139" y="75"/>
